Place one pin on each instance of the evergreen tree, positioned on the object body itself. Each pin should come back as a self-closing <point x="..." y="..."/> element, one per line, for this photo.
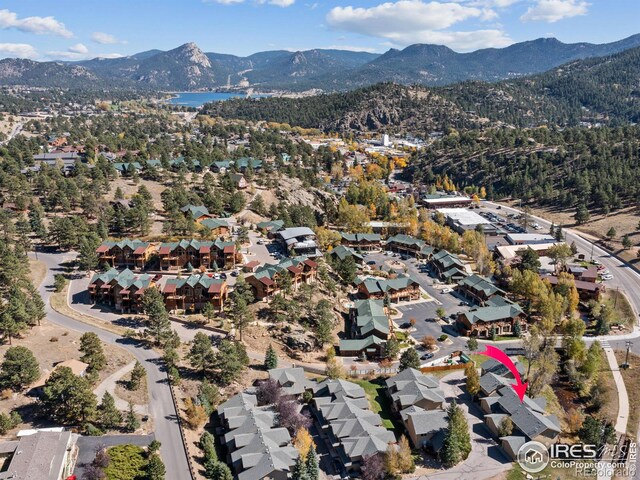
<point x="300" y="470"/>
<point x="87" y="257"/>
<point x="155" y="469"/>
<point x="313" y="468"/>
<point x="158" y="324"/>
<point x="215" y="470"/>
<point x="110" y="417"/>
<point x="137" y="374"/>
<point x="19" y="368"/>
<point x="612" y="233"/>
<point x="92" y="352"/>
<point x="131" y="421"/>
<point x="271" y="358"/>
<point x="457" y="442"/>
<point x="201" y="353"/>
<point x="626" y="242"/>
<point x="409" y="359"/>
<point x="67" y="398"/>
<point x="391" y="349"/>
<point x="582" y="214"/>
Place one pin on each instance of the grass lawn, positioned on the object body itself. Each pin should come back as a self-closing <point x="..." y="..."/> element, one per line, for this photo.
<point x="631" y="377"/>
<point x="379" y="402"/>
<point x="623" y="310"/>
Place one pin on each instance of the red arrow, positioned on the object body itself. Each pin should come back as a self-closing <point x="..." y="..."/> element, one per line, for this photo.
<point x="500" y="356"/>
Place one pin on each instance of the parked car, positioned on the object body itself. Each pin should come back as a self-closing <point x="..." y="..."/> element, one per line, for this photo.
<point x="595" y="262"/>
<point x="427" y="356"/>
<point x="499" y="207"/>
<point x="447" y="290"/>
<point x="607" y="277"/>
<point x="260" y="242"/>
<point x="223" y="275"/>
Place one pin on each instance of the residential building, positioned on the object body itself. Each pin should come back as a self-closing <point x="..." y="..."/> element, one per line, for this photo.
<point x="270" y="228"/>
<point x="409" y="245"/>
<point x="298" y="241"/>
<point x="583" y="274"/>
<point x="510" y="254"/>
<point x="197" y="213"/>
<point x="398" y="289"/>
<point x="448" y="267"/>
<point x="127" y="168"/>
<point x="239" y="181"/>
<point x="77" y="367"/>
<point x="500" y="317"/>
<point x="193" y="254"/>
<point x="244" y="163"/>
<point x="361" y="241"/>
<point x="441" y="200"/>
<point x="420" y="403"/>
<point x="586" y="290"/>
<point x="43" y="455"/>
<point x="529" y="419"/>
<point x="191" y="294"/>
<point x="218" y="227"/>
<point x="222" y="166"/>
<point x="411" y="388"/>
<point x="370" y="347"/>
<point x="300" y="270"/>
<point x="121" y="290"/>
<point x="350" y="430"/>
<point x="478" y="289"/>
<point x="462" y="220"/>
<point x="255" y="447"/>
<point x="291" y="380"/>
<point x="369" y="317"/>
<point x="125" y="253"/>
<point x="342" y="253"/>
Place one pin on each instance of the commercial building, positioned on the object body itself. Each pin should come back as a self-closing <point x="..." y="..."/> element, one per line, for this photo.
<point x="436" y="201"/>
<point x="298" y="241"/>
<point x="529" y="238"/>
<point x="462" y="220"/>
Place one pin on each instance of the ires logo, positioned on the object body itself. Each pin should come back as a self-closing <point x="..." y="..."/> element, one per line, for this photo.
<point x="562" y="451"/>
<point x="533" y="457"/>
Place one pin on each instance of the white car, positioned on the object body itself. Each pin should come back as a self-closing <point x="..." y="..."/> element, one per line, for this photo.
<point x="447" y="290"/>
<point x="607" y="277"/>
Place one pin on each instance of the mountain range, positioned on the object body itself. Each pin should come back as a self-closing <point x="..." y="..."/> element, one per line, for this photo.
<point x="188" y="68"/>
<point x="601" y="90"/>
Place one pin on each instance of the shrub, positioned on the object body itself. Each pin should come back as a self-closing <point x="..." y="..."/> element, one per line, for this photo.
<point x="443" y="337"/>
<point x="127" y="462"/>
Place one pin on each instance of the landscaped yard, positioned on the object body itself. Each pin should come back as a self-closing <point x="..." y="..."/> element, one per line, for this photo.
<point x="379" y="402"/>
<point x="127" y="462"/>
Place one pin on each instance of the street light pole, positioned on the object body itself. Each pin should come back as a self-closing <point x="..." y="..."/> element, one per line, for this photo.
<point x="628" y="344"/>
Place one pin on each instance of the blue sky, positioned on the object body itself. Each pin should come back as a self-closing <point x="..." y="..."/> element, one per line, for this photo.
<point x="80" y="29"/>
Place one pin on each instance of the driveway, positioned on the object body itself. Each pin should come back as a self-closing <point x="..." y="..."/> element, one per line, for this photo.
<point x="486" y="459"/>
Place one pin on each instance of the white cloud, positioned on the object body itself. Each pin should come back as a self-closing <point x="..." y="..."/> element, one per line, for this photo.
<point x="415" y="21"/>
<point x="79" y="48"/>
<point x="351" y="48"/>
<point x="109" y="55"/>
<point x="105" y="38"/>
<point x="37" y="25"/>
<point x="17" y="50"/>
<point x="552" y="11"/>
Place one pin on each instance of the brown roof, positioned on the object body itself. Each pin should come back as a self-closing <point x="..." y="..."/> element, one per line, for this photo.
<point x="77" y="367"/>
<point x="139" y="250"/>
<point x="102" y="249"/>
<point x="165" y="250"/>
<point x="205" y="249"/>
<point x="252" y="264"/>
<point x="215" y="288"/>
<point x="310" y="263"/>
<point x="295" y="270"/>
<point x="580" y="284"/>
<point x="229" y="249"/>
<point x="170" y="288"/>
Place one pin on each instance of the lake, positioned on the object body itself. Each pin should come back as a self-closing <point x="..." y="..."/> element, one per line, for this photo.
<point x="197" y="99"/>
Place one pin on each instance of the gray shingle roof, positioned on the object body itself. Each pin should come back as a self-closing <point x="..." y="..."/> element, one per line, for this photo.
<point x="291" y="380"/>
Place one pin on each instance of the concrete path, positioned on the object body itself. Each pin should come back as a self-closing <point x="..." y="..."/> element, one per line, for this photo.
<point x="623" y="397"/>
<point x="109" y="385"/>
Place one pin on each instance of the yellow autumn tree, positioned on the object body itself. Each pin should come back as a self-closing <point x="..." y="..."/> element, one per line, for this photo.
<point x="303" y="441"/>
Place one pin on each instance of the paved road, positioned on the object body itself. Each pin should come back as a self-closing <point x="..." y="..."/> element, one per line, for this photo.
<point x="17" y="128"/>
<point x="161" y="406"/>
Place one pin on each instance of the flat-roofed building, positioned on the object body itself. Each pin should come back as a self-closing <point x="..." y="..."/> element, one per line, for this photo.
<point x="436" y="201"/>
<point x="462" y="220"/>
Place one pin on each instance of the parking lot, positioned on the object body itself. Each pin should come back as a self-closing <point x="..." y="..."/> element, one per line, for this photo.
<point x="425" y="312"/>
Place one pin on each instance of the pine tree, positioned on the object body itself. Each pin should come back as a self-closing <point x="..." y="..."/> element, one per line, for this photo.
<point x="19" y="368"/>
<point x="137" y="374"/>
<point x="158" y="324"/>
<point x="110" y="416"/>
<point x="155" y="469"/>
<point x="313" y="469"/>
<point x="300" y="470"/>
<point x="409" y="359"/>
<point x="271" y="358"/>
<point x="215" y="470"/>
<point x="131" y="422"/>
<point x="93" y="354"/>
<point x="457" y="442"/>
